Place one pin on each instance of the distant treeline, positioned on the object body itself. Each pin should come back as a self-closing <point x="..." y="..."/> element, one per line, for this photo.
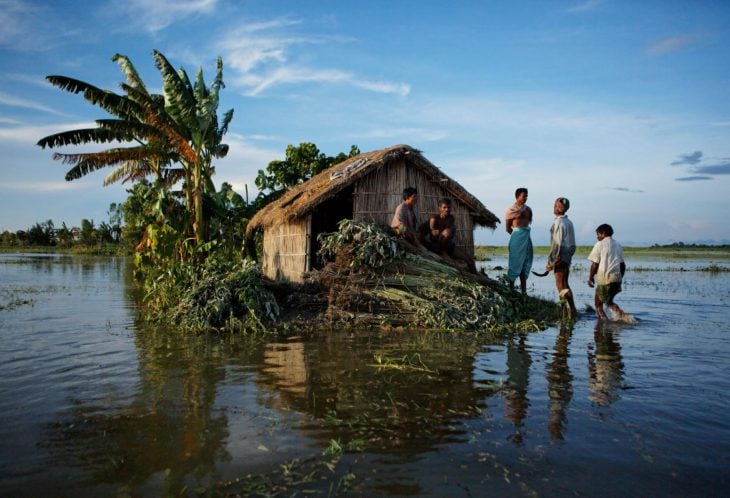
<point x="675" y="245"/>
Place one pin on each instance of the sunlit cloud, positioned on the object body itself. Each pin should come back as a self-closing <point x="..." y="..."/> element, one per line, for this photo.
<point x="31" y="134"/>
<point x="12" y="101"/>
<point x="671" y="44"/>
<point x="261" y="54"/>
<point x="158" y="15"/>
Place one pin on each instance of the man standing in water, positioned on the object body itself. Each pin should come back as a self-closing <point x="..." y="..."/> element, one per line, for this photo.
<point x="517" y="223"/>
<point x="562" y="248"/>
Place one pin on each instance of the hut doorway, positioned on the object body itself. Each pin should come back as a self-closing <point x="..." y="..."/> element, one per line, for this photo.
<point x="325" y="218"/>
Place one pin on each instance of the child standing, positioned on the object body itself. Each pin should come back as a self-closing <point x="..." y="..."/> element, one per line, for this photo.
<point x="607" y="264"/>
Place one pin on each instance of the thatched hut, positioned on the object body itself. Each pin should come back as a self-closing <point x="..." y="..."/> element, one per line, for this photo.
<point x="367" y="187"/>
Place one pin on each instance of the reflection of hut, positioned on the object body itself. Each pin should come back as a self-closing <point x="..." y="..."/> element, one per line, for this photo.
<point x="367" y="187"/>
<point x="286" y="365"/>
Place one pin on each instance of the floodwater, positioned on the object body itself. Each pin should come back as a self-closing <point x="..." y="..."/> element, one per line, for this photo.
<point x="93" y="404"/>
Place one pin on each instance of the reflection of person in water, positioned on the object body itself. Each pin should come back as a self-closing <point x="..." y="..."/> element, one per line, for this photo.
<point x="560" y="387"/>
<point x="518" y="376"/>
<point x="605" y="367"/>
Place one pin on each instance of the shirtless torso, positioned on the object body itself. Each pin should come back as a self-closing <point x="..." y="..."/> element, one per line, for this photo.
<point x="518" y="215"/>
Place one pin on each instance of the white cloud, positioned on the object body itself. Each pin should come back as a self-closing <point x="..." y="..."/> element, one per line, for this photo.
<point x="261" y="54"/>
<point x="36" y="187"/>
<point x="413" y="134"/>
<point x="157" y="15"/>
<point x="240" y="167"/>
<point x="12" y="101"/>
<point x="585" y="6"/>
<point x="31" y="134"/>
<point x="671" y="44"/>
<point x="14" y="15"/>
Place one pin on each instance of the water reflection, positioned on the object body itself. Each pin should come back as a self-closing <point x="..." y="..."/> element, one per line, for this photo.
<point x="377" y="393"/>
<point x="518" y="380"/>
<point x="560" y="382"/>
<point x="167" y="437"/>
<point x="605" y="366"/>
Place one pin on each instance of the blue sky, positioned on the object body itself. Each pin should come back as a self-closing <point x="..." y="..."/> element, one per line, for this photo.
<point x="621" y="106"/>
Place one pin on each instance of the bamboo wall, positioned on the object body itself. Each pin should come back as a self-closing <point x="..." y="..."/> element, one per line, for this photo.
<point x="286" y="250"/>
<point x="378" y="194"/>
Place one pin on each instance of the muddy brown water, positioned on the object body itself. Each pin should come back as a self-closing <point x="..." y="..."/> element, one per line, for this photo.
<point x="93" y="404"/>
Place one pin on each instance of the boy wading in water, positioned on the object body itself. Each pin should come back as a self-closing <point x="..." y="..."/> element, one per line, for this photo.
<point x="607" y="265"/>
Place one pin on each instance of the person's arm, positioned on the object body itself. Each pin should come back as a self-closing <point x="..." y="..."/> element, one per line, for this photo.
<point x="433" y="229"/>
<point x="623" y="269"/>
<point x="556" y="239"/>
<point x="592" y="273"/>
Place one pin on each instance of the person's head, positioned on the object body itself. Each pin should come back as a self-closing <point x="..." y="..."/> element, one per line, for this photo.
<point x="521" y="195"/>
<point x="603" y="231"/>
<point x="561" y="206"/>
<point x="444" y="206"/>
<point x="409" y="195"/>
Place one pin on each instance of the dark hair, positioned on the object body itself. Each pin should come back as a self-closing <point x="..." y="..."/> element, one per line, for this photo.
<point x="605" y="229"/>
<point x="520" y="191"/>
<point x="444" y="200"/>
<point x="409" y="191"/>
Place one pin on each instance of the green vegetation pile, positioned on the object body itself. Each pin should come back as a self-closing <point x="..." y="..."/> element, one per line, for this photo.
<point x="371" y="279"/>
<point x="375" y="279"/>
<point x="217" y="295"/>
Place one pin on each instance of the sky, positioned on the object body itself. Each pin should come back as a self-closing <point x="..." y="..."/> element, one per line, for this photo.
<point x="621" y="106"/>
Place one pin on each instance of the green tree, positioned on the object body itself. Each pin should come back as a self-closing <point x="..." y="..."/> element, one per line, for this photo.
<point x="8" y="238"/>
<point x="179" y="127"/>
<point x="42" y="234"/>
<point x="64" y="236"/>
<point x="88" y="235"/>
<point x="115" y="221"/>
<point x="300" y="164"/>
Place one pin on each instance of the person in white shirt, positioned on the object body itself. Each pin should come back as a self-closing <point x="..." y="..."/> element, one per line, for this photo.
<point x="608" y="268"/>
<point x="562" y="248"/>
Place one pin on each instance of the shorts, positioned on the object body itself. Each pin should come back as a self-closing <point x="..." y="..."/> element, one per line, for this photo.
<point x="607" y="292"/>
<point x="561" y="267"/>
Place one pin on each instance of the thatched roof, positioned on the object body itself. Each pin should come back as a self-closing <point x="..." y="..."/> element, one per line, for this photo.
<point x="303" y="198"/>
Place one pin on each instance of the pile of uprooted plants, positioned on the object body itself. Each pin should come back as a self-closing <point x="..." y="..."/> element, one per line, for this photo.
<point x="373" y="279"/>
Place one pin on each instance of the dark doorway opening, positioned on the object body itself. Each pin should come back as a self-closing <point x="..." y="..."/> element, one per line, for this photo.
<point x="325" y="218"/>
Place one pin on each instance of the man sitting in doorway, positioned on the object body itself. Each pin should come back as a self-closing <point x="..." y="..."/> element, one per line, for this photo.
<point x="405" y="218"/>
<point x="439" y="237"/>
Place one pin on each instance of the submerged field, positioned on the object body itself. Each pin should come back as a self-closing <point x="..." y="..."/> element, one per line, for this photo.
<point x="95" y="403"/>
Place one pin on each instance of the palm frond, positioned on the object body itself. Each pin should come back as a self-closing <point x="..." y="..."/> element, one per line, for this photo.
<point x="223" y="129"/>
<point x="179" y="100"/>
<point x="130" y="72"/>
<point x="69" y="84"/>
<point x="86" y="162"/>
<point x="82" y="136"/>
<point x="133" y="130"/>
